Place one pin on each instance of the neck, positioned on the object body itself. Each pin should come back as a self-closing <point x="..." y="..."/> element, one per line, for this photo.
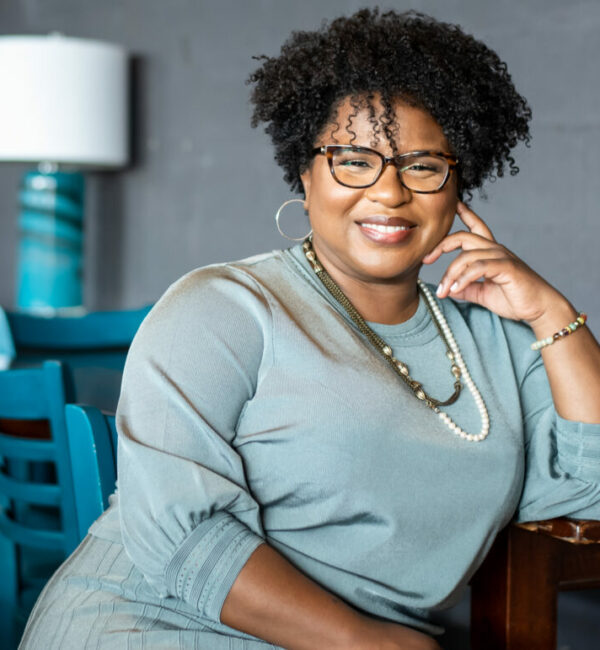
<point x="388" y="302"/>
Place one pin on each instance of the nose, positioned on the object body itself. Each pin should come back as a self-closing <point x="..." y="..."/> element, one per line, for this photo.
<point x="388" y="189"/>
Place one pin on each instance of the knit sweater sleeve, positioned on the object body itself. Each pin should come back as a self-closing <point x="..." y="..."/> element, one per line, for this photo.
<point x="188" y="519"/>
<point x="562" y="457"/>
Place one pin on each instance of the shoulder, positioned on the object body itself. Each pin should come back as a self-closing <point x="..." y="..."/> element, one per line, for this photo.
<point x="208" y="290"/>
<point x="216" y="300"/>
<point x="233" y="279"/>
<point x="210" y="334"/>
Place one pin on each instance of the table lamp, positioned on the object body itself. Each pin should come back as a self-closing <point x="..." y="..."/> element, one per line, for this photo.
<point x="64" y="107"/>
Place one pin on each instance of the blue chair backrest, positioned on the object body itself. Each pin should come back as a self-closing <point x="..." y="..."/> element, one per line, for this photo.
<point x="30" y="397"/>
<point x="94" y="346"/>
<point x="91" y="331"/>
<point x="93" y="454"/>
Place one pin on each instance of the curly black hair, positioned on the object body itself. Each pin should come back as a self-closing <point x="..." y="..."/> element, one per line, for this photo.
<point x="393" y="56"/>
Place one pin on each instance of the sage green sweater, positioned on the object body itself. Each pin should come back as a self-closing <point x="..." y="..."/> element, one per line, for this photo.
<point x="253" y="410"/>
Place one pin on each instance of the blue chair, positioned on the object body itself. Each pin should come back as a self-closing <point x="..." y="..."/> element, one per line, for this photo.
<point x="91" y="331"/>
<point x="92" y="438"/>
<point x="93" y="345"/>
<point x="38" y="521"/>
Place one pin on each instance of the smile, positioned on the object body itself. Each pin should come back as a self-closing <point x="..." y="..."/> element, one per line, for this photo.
<point x="380" y="228"/>
<point x="387" y="231"/>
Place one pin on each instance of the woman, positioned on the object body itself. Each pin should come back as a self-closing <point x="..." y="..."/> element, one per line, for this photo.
<point x="316" y="452"/>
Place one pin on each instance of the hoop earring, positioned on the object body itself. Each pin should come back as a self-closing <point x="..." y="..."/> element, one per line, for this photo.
<point x="278" y="214"/>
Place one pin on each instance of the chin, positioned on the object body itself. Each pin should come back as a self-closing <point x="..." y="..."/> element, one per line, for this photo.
<point x="389" y="274"/>
<point x="388" y="269"/>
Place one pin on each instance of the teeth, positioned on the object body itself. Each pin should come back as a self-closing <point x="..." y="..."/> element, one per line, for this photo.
<point x="381" y="228"/>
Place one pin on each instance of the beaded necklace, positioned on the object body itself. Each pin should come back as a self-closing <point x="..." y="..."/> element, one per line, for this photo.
<point x="458" y="366"/>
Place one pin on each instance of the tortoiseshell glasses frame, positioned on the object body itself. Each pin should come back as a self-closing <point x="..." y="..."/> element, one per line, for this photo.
<point x="449" y="163"/>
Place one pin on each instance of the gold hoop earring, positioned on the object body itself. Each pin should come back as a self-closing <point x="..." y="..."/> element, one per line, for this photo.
<point x="278" y="214"/>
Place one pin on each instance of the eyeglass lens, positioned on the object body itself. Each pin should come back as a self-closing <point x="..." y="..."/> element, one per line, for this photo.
<point x="359" y="168"/>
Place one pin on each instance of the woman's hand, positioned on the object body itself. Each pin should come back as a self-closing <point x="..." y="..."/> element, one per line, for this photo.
<point x="511" y="289"/>
<point x="508" y="287"/>
<point x="379" y="635"/>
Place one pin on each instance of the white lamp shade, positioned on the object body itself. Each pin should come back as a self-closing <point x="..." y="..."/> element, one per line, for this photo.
<point x="64" y="100"/>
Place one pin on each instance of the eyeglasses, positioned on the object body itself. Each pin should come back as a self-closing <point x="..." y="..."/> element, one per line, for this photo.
<point x="425" y="172"/>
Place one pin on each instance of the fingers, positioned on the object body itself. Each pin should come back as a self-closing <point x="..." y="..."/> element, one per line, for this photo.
<point x="466" y="286"/>
<point x="462" y="239"/>
<point x="471" y="293"/>
<point x="459" y="266"/>
<point x="473" y="222"/>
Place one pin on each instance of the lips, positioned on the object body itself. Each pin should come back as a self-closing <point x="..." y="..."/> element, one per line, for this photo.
<point x="385" y="230"/>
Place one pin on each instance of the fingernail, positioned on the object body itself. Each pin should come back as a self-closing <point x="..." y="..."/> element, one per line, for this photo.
<point x="438" y="291"/>
<point x="454" y="287"/>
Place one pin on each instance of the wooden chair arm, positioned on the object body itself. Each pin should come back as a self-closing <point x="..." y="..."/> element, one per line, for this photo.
<point x="574" y="531"/>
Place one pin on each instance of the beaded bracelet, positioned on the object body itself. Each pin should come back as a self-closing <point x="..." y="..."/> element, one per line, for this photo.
<point x="569" y="329"/>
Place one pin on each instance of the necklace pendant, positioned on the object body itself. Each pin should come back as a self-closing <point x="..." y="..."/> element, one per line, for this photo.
<point x="458" y="367"/>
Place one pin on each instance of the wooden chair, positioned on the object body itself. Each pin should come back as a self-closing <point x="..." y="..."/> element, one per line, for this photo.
<point x="514" y="593"/>
<point x="92" y="438"/>
<point x="38" y="524"/>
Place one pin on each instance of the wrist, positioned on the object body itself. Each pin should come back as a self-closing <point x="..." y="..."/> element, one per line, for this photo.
<point x="554" y="318"/>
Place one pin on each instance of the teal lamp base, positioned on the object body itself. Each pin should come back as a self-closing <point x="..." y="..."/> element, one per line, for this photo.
<point x="50" y="260"/>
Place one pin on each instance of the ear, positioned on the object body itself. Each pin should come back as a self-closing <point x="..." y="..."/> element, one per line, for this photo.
<point x="306" y="178"/>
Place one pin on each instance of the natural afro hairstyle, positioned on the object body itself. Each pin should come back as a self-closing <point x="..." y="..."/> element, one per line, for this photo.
<point x="393" y="56"/>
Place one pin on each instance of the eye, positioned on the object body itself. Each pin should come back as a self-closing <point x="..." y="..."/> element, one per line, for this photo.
<point x="356" y="160"/>
<point x="419" y="167"/>
<point x="423" y="167"/>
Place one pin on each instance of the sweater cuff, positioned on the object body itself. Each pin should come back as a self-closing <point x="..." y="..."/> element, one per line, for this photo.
<point x="209" y="560"/>
<point x="578" y="448"/>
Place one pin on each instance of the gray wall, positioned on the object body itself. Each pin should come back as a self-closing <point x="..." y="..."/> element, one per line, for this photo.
<point x="186" y="201"/>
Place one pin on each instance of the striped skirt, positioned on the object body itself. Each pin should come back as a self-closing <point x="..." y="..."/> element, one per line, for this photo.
<point x="98" y="600"/>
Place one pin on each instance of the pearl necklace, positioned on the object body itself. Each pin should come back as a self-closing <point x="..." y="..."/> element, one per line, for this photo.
<point x="442" y="323"/>
<point x="459" y="367"/>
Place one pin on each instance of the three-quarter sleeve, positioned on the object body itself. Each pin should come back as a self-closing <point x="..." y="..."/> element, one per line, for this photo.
<point x="562" y="457"/>
<point x="188" y="519"/>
